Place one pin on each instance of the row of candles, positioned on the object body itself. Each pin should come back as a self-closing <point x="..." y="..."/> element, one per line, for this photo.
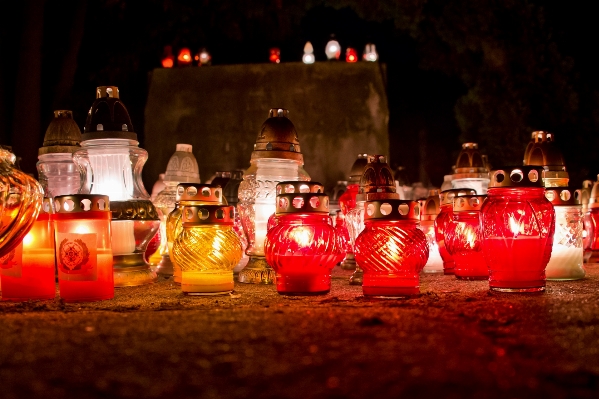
<point x="332" y="51"/>
<point x="273" y="224"/>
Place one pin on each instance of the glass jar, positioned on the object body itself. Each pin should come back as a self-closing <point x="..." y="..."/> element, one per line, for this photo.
<point x="276" y="157"/>
<point x="429" y="209"/>
<point x="83" y="247"/>
<point x="188" y="194"/>
<point x="566" y="262"/>
<point x="391" y="249"/>
<point x="58" y="174"/>
<point x="20" y="202"/>
<point x="442" y="221"/>
<point x="28" y="270"/>
<point x="518" y="225"/>
<point x="463" y="238"/>
<point x="207" y="249"/>
<point x="301" y="245"/>
<point x="113" y="162"/>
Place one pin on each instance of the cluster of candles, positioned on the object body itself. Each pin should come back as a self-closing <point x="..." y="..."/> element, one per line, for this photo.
<point x="332" y="51"/>
<point x="513" y="226"/>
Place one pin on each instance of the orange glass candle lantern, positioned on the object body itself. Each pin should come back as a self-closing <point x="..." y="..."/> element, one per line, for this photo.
<point x="275" y="55"/>
<point x="391" y="249"/>
<point x="184" y="57"/>
<point x="518" y="224"/>
<point x="443" y="220"/>
<point x="301" y="245"/>
<point x="83" y="247"/>
<point x="463" y="238"/>
<point x="168" y="59"/>
<point x="28" y="270"/>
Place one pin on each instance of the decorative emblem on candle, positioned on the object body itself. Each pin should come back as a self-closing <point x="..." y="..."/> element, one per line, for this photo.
<point x="471" y="170"/>
<point x="376" y="182"/>
<point x="302" y="245"/>
<point x="276" y="157"/>
<point x="84" y="254"/>
<point x="442" y="221"/>
<point x="518" y="224"/>
<point x="207" y="249"/>
<point x="113" y="162"/>
<point x="463" y="238"/>
<point x="429" y="209"/>
<point x="392" y="249"/>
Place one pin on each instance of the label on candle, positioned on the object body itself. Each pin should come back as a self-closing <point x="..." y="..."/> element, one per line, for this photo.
<point x="12" y="262"/>
<point x="77" y="257"/>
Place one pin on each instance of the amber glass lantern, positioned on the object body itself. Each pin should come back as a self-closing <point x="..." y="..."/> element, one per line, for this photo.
<point x="463" y="238"/>
<point x="112" y="163"/>
<point x="207" y="249"/>
<point x="376" y="183"/>
<point x="83" y="247"/>
<point x="182" y="167"/>
<point x="471" y="170"/>
<point x="347" y="202"/>
<point x="391" y="249"/>
<point x="20" y="202"/>
<point x="442" y="221"/>
<point x="518" y="224"/>
<point x="429" y="210"/>
<point x="276" y="157"/>
<point x="28" y="270"/>
<point x="58" y="174"/>
<point x="188" y="194"/>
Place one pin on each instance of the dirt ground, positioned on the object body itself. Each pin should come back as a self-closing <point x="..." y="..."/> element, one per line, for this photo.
<point x="456" y="340"/>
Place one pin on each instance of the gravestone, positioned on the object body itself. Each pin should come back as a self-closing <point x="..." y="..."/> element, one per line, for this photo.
<point x="339" y="110"/>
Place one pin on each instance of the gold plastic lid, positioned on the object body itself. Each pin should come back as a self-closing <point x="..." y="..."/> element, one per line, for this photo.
<point x="301" y="197"/>
<point x="278" y="138"/>
<point x="357" y="169"/>
<point x="471" y="163"/>
<point x="430" y="206"/>
<point x="517" y="177"/>
<point x="392" y="209"/>
<point x="200" y="192"/>
<point x="543" y="151"/>
<point x="377" y="181"/>
<point x="563" y="196"/>
<point x="468" y="203"/>
<point x="207" y="214"/>
<point x="447" y="196"/>
<point x="74" y="203"/>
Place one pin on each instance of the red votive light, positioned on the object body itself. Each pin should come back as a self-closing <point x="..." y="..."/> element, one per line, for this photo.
<point x="443" y="220"/>
<point x="518" y="223"/>
<point x="28" y="270"/>
<point x="463" y="238"/>
<point x="83" y="247"/>
<point x="591" y="225"/>
<point x="301" y="246"/>
<point x="391" y="249"/>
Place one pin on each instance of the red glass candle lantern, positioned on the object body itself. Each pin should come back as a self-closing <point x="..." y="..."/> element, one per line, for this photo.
<point x="592" y="225"/>
<point x="168" y="59"/>
<point x="275" y="55"/>
<point x="442" y="222"/>
<point x="391" y="249"/>
<point x="351" y="55"/>
<point x="463" y="238"/>
<point x="588" y="232"/>
<point x="518" y="224"/>
<point x="28" y="270"/>
<point x="184" y="57"/>
<point x="301" y="245"/>
<point x="342" y="232"/>
<point x="83" y="247"/>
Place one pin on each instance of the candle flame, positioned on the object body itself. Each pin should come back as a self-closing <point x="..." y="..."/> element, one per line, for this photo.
<point x="82" y="229"/>
<point x="28" y="240"/>
<point x="301" y="236"/>
<point x="470" y="236"/>
<point x="514" y="226"/>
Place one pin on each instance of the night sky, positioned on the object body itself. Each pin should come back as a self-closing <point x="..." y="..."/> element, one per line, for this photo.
<point x="489" y="72"/>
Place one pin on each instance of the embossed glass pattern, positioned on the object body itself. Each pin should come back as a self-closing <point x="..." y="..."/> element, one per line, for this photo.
<point x="463" y="240"/>
<point x="518" y="227"/>
<point x="441" y="222"/>
<point x="392" y="254"/>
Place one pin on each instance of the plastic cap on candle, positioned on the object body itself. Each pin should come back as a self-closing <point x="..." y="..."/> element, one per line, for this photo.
<point x="543" y="151"/>
<point x="278" y="138"/>
<point x="377" y="181"/>
<point x="62" y="135"/>
<point x="357" y="168"/>
<point x="430" y="206"/>
<point x="468" y="203"/>
<point x="447" y="196"/>
<point x="563" y="196"/>
<point x="301" y="197"/>
<point x="108" y="117"/>
<point x="517" y="176"/>
<point x="471" y="163"/>
<point x="182" y="166"/>
<point x="392" y="209"/>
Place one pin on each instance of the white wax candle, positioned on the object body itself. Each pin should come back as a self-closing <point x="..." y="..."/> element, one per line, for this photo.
<point x="123" y="237"/>
<point x="566" y="263"/>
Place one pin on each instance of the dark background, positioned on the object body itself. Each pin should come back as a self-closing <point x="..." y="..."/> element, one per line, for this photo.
<point x="490" y="72"/>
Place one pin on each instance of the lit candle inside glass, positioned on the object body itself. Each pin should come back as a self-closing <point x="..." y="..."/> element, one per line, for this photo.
<point x="123" y="237"/>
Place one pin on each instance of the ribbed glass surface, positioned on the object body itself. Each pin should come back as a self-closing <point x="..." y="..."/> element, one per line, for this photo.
<point x="566" y="262"/>
<point x="441" y="222"/>
<point x="207" y="248"/>
<point x="387" y="247"/>
<point x="463" y="240"/>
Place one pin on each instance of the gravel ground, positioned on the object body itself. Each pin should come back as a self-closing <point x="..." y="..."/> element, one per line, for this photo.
<point x="456" y="340"/>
